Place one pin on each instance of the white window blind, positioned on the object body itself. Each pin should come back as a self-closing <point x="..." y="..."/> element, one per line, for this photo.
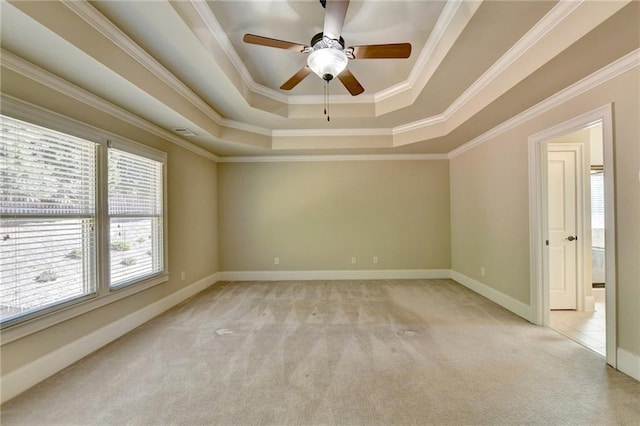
<point x="597" y="209"/>
<point x="48" y="218"/>
<point x="135" y="217"/>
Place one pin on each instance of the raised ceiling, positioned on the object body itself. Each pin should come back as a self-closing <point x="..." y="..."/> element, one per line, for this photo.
<point x="183" y="64"/>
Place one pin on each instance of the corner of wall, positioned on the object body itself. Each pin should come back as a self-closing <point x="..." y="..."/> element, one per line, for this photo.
<point x="517" y="307"/>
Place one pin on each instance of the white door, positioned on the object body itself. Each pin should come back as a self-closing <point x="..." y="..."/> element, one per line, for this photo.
<point x="563" y="248"/>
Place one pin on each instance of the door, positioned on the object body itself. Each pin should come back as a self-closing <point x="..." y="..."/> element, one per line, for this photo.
<point x="563" y="168"/>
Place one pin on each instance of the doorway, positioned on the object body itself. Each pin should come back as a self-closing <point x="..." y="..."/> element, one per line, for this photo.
<point x="572" y="246"/>
<point x="575" y="237"/>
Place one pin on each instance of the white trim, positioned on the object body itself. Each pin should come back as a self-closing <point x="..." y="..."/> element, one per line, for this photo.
<point x="629" y="363"/>
<point x="551" y="20"/>
<point x="95" y="19"/>
<point x="428" y="62"/>
<point x="36" y="371"/>
<point x="608" y="72"/>
<point x="331" y="132"/>
<point x="539" y="262"/>
<point x="312" y="158"/>
<point x="23" y="67"/>
<point x="382" y="274"/>
<point x="424" y="61"/>
<point x="611" y="301"/>
<point x="364" y="98"/>
<point x="90" y="15"/>
<point x="137" y="148"/>
<point x="517" y="307"/>
<point x="215" y="29"/>
<point x="419" y="124"/>
<point x="39" y="320"/>
<point x="34" y="72"/>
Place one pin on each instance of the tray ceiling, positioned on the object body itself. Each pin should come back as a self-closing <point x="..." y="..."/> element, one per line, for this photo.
<point x="183" y="64"/>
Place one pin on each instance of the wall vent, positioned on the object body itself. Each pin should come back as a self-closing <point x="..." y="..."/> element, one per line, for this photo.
<point x="183" y="131"/>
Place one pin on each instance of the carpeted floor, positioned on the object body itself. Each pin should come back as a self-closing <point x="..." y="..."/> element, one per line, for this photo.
<point x="338" y="352"/>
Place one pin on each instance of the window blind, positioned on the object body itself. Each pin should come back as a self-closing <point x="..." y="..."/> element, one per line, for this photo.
<point x="597" y="209"/>
<point x="135" y="216"/>
<point x="47" y="218"/>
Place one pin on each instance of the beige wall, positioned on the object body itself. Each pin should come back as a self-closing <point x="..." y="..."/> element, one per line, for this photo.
<point x="490" y="205"/>
<point x="192" y="230"/>
<point x="318" y="215"/>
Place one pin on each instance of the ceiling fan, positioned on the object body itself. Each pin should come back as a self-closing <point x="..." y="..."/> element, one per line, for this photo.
<point x="327" y="53"/>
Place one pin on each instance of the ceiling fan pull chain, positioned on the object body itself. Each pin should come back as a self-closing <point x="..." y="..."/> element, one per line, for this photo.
<point x="326" y="85"/>
<point x="324" y="97"/>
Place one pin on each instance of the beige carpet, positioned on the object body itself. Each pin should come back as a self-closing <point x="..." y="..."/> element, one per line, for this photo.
<point x="338" y="352"/>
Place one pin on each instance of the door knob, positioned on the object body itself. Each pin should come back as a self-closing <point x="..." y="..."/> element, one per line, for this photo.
<point x="571" y="238"/>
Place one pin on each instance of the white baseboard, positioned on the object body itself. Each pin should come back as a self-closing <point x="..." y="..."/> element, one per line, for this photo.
<point x="24" y="377"/>
<point x="628" y="363"/>
<point x="382" y="274"/>
<point x="517" y="307"/>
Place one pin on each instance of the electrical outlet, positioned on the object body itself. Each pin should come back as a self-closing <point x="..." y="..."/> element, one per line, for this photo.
<point x="276" y="260"/>
<point x="482" y="271"/>
<point x="353" y="260"/>
<point x="375" y="259"/>
<point x="183" y="275"/>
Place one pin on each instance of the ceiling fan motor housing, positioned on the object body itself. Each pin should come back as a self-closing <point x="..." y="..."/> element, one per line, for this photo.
<point x="328" y="58"/>
<point x="320" y="37"/>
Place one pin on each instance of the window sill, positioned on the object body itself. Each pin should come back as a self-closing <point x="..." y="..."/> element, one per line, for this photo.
<point x="25" y="328"/>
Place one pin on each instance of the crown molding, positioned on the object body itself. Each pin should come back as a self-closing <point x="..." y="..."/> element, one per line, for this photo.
<point x="35" y="73"/>
<point x="205" y="13"/>
<point x="213" y="25"/>
<point x="546" y="24"/>
<point x="330" y="132"/>
<point x="608" y="72"/>
<point x="425" y="63"/>
<point x="23" y="67"/>
<point x="246" y="127"/>
<point x="419" y="124"/>
<point x="100" y="23"/>
<point x="318" y="158"/>
<point x="364" y="98"/>
<point x="552" y="19"/>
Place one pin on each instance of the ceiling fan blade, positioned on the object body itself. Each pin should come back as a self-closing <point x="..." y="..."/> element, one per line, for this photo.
<point x="334" y="14"/>
<point x="272" y="42"/>
<point x="296" y="78"/>
<point x="350" y="82"/>
<point x="373" y="51"/>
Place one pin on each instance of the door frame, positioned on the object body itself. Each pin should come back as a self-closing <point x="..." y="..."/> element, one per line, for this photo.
<point x="538" y="219"/>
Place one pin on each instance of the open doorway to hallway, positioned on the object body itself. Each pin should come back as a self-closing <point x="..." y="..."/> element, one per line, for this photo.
<point x="546" y="244"/>
<point x="575" y="197"/>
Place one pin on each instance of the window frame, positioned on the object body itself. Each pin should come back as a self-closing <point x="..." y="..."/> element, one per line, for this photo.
<point x="105" y="294"/>
<point x="151" y="154"/>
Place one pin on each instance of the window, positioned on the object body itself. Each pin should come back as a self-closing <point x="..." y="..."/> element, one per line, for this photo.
<point x="62" y="241"/>
<point x="48" y="208"/>
<point x="597" y="208"/>
<point x="135" y="217"/>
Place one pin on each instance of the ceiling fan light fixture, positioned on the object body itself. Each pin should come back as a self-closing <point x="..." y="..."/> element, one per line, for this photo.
<point x="327" y="62"/>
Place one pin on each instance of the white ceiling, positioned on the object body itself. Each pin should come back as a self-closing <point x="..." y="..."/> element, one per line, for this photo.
<point x="183" y="64"/>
